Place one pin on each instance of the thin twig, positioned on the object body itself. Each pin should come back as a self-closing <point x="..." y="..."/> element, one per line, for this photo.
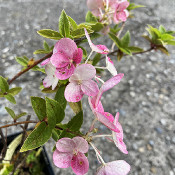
<point x="24" y="130"/>
<point x="118" y="35"/>
<point x="30" y="67"/>
<point x="18" y="123"/>
<point x="3" y="152"/>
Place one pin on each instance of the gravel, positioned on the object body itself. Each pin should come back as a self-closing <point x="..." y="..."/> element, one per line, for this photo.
<point x="145" y="97"/>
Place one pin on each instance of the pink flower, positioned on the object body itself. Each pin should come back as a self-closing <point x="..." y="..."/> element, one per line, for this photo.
<point x="118" y="136"/>
<point x="96" y="48"/>
<point x="81" y="83"/>
<point x="95" y="6"/>
<point x="119" y="167"/>
<point x="121" y="13"/>
<point x="65" y="57"/>
<point x="70" y="152"/>
<point x="97" y="108"/>
<point x="50" y="79"/>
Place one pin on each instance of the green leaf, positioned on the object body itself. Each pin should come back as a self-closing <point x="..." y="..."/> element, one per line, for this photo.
<point x="96" y="59"/>
<point x="49" y="90"/>
<point x="26" y="58"/>
<point x="147" y="38"/>
<point x="10" y="98"/>
<point x="92" y="35"/>
<point x="40" y="51"/>
<point x="84" y="51"/>
<point x="171" y="42"/>
<point x="76" y="107"/>
<point x="46" y="46"/>
<point x="59" y="97"/>
<point x="125" y="39"/>
<point x="126" y="50"/>
<point x="162" y="29"/>
<point x="39" y="106"/>
<point x="55" y="112"/>
<point x="37" y="137"/>
<point x="36" y="68"/>
<point x="78" y="33"/>
<point x="90" y="17"/>
<point x="64" y="26"/>
<point x="3" y="85"/>
<point x="76" y="122"/>
<point x="73" y="24"/>
<point x="135" y="49"/>
<point x="11" y="112"/>
<point x="166" y="37"/>
<point x="133" y="6"/>
<point x="163" y="50"/>
<point x="14" y="91"/>
<point x="56" y="134"/>
<point x="21" y="115"/>
<point x="51" y="34"/>
<point x="21" y="61"/>
<point x="115" y="39"/>
<point x="95" y="26"/>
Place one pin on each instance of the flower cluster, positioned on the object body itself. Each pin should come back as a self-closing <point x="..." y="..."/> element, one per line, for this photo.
<point x="109" y="10"/>
<point x="65" y="63"/>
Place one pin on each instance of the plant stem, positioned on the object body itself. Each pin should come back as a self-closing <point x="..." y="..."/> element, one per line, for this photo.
<point x="96" y="136"/>
<point x="119" y="33"/>
<point x="18" y="123"/>
<point x="30" y="67"/>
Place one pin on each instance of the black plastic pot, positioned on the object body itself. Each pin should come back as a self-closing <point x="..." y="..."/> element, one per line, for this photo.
<point x="47" y="168"/>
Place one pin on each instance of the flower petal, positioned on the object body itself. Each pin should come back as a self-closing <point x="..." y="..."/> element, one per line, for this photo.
<point x="119" y="167"/>
<point x="97" y="48"/>
<point x="45" y="62"/>
<point x="110" y="66"/>
<point x="59" y="60"/>
<point x="108" y="85"/>
<point x="122" y="5"/>
<point x="103" y="119"/>
<point x="50" y="69"/>
<point x="65" y="46"/>
<point x="81" y="144"/>
<point x="65" y="145"/>
<point x="121" y="16"/>
<point x="90" y="88"/>
<point x="73" y="92"/>
<point x="84" y="72"/>
<point x="48" y="81"/>
<point x="80" y="164"/>
<point x="62" y="160"/>
<point x="65" y="72"/>
<point x="78" y="55"/>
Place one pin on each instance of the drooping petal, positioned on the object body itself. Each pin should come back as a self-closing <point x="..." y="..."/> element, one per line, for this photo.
<point x="81" y="144"/>
<point x="73" y="92"/>
<point x="78" y="55"/>
<point x="65" y="72"/>
<point x="45" y="62"/>
<point x="89" y="87"/>
<point x="84" y="72"/>
<point x="108" y="85"/>
<point x="97" y="48"/>
<point x="65" y="46"/>
<point x="110" y="66"/>
<point x="59" y="60"/>
<point x="103" y="119"/>
<point x="80" y="164"/>
<point x="62" y="160"/>
<point x="65" y="145"/>
<point x="119" y="167"/>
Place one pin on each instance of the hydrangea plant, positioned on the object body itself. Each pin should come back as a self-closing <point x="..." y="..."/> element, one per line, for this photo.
<point x="71" y="73"/>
